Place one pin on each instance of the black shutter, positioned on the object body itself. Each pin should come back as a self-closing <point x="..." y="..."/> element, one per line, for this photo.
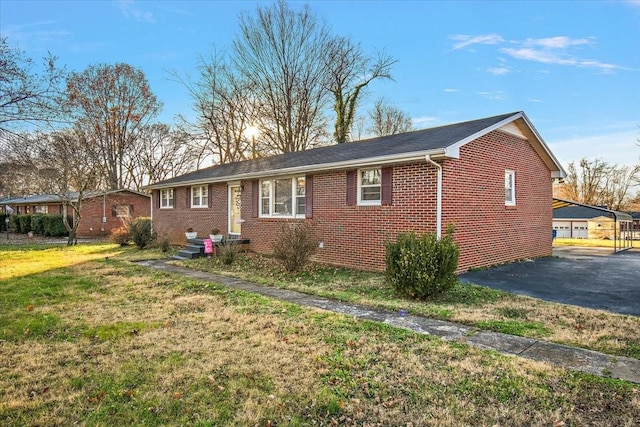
<point x="308" y="195"/>
<point x="387" y="186"/>
<point x="210" y="195"/>
<point x="351" y="188"/>
<point x="188" y="189"/>
<point x="255" y="198"/>
<point x="131" y="210"/>
<point x="158" y="202"/>
<point x="114" y="211"/>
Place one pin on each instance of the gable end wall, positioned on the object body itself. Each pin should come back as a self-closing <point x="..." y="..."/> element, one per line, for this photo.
<point x="487" y="231"/>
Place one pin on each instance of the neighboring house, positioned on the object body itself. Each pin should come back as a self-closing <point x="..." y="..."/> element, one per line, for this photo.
<point x="101" y="211"/>
<point x="580" y="221"/>
<point x="491" y="178"/>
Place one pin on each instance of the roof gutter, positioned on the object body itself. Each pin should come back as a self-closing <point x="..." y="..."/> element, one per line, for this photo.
<point x="438" y="197"/>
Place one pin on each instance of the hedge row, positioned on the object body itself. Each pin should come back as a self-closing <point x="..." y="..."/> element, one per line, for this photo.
<point x="43" y="224"/>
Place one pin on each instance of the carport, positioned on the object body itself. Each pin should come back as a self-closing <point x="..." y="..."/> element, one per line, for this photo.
<point x="622" y="223"/>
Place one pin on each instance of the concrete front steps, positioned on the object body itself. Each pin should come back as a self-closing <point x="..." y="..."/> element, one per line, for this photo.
<point x="195" y="247"/>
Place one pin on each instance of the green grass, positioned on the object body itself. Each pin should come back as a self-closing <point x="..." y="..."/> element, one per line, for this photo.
<point x="515" y="327"/>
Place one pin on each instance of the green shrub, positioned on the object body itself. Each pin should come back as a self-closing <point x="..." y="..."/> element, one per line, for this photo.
<point x="3" y="224"/>
<point x="14" y="224"/>
<point x="295" y="245"/>
<point x="119" y="236"/>
<point x="37" y="224"/>
<point x="25" y="223"/>
<point x="140" y="232"/>
<point x="422" y="266"/>
<point x="54" y="226"/>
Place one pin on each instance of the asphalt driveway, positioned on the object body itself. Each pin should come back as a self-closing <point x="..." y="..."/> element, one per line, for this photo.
<point x="587" y="277"/>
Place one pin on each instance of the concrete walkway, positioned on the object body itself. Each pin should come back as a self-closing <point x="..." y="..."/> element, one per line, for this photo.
<point x="577" y="359"/>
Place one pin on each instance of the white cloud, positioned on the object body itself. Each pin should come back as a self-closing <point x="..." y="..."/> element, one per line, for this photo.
<point x="499" y="71"/>
<point x="535" y="100"/>
<point x="557" y="50"/>
<point x="452" y="90"/>
<point x="466" y="40"/>
<point x="558" y="42"/>
<point x="494" y="96"/>
<point x="423" y="121"/>
<point x="130" y="10"/>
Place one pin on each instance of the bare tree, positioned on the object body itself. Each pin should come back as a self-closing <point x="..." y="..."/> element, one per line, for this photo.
<point x="388" y="120"/>
<point x="224" y="109"/>
<point x="66" y="164"/>
<point x="280" y="53"/>
<point x="596" y="182"/>
<point x="619" y="186"/>
<point x="28" y="96"/>
<point x="161" y="153"/>
<point x="350" y="72"/>
<point x="112" y="103"/>
<point x="20" y="171"/>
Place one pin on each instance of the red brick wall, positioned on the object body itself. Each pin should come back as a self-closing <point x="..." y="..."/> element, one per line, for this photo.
<point x="92" y="212"/>
<point x="173" y="223"/>
<point x="487" y="231"/>
<point x="354" y="236"/>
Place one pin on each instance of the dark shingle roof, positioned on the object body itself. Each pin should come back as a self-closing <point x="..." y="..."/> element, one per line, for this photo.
<point x="392" y="145"/>
<point x="39" y="199"/>
<point x="579" y="212"/>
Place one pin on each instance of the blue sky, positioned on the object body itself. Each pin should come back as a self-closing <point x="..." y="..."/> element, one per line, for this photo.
<point x="573" y="67"/>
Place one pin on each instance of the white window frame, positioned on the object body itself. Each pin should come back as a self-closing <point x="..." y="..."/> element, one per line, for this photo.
<point x="41" y="209"/>
<point x="362" y="202"/>
<point x="509" y="201"/>
<point x="201" y="192"/>
<point x="166" y="198"/>
<point x="270" y="183"/>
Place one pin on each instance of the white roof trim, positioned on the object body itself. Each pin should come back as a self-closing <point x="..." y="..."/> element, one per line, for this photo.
<point x="369" y="161"/>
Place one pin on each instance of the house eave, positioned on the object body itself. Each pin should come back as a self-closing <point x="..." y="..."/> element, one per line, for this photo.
<point x="438" y="154"/>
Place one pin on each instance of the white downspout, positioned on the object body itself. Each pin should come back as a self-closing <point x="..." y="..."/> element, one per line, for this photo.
<point x="438" y="197"/>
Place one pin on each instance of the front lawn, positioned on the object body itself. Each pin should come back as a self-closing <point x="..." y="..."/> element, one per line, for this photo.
<point x="468" y="304"/>
<point x="89" y="338"/>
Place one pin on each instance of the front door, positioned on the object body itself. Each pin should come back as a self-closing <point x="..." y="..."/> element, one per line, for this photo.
<point x="235" y="209"/>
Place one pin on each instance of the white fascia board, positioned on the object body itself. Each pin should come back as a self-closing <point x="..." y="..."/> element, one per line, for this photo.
<point x="560" y="173"/>
<point x="455" y="147"/>
<point x="369" y="161"/>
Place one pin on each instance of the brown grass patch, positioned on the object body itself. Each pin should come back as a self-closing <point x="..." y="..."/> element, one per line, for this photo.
<point x="222" y="357"/>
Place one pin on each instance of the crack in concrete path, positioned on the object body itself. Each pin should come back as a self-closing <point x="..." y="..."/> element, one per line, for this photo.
<point x="573" y="358"/>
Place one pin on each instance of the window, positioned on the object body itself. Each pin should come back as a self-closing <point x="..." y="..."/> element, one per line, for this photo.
<point x="369" y="187"/>
<point x="200" y="196"/>
<point x="509" y="188"/>
<point x="166" y="198"/>
<point x="41" y="209"/>
<point x="122" y="211"/>
<point x="283" y="197"/>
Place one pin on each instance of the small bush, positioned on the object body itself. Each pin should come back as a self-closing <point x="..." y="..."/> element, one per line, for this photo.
<point x="3" y="224"/>
<point x="14" y="223"/>
<point x="295" y="245"/>
<point x="37" y="224"/>
<point x="228" y="252"/>
<point x="141" y="233"/>
<point x="422" y="266"/>
<point x="164" y="244"/>
<point x="25" y="223"/>
<point x="54" y="227"/>
<point x="120" y="236"/>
